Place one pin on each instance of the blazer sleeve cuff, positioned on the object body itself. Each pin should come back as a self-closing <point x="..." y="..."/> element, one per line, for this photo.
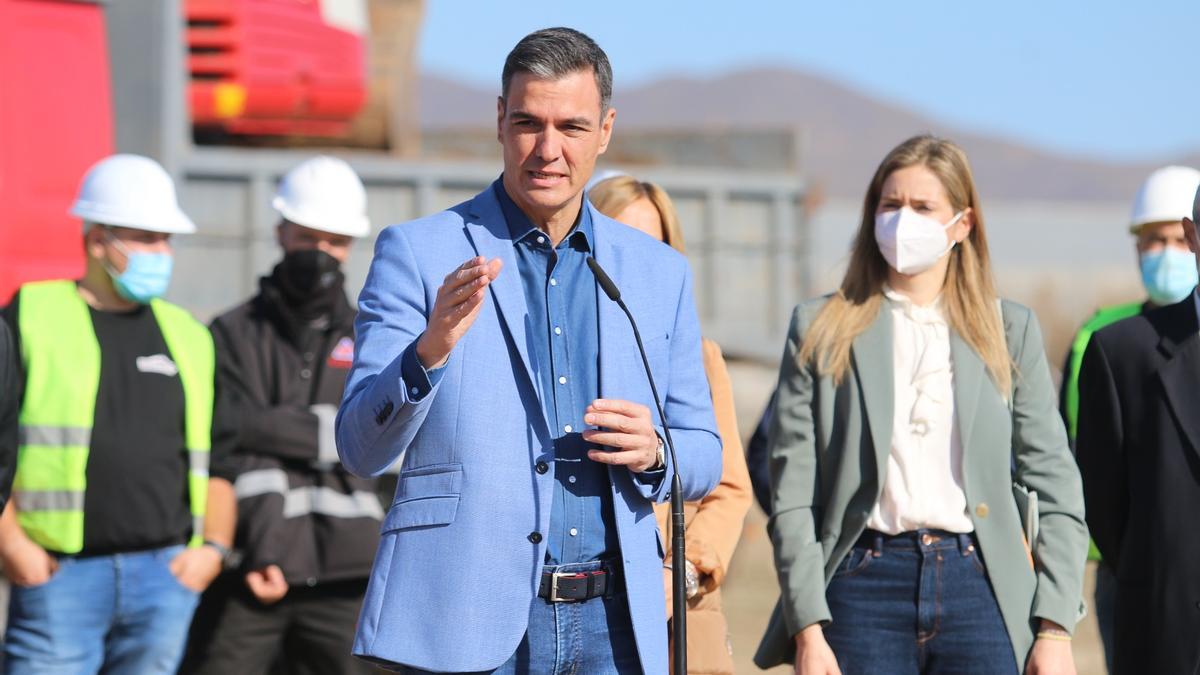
<point x="803" y="599"/>
<point x="418" y="381"/>
<point x="1052" y="605"/>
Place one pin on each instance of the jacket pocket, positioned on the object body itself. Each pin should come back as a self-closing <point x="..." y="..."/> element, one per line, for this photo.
<point x="426" y="496"/>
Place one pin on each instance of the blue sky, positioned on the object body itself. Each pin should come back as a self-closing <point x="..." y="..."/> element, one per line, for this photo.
<point x="1108" y="79"/>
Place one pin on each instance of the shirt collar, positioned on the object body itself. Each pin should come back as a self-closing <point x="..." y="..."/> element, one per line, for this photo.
<point x="931" y="313"/>
<point x="521" y="228"/>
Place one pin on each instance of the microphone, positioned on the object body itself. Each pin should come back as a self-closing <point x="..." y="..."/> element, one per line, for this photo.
<point x="678" y="581"/>
<point x="613" y="293"/>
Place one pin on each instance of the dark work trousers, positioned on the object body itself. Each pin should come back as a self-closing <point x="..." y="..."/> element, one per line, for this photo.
<point x="309" y="632"/>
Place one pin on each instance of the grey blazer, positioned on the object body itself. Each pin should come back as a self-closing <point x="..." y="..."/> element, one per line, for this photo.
<point x="829" y="448"/>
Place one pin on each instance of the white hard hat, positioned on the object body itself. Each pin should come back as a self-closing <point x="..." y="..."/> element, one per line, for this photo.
<point x="1166" y="196"/>
<point x="324" y="193"/>
<point x="131" y="191"/>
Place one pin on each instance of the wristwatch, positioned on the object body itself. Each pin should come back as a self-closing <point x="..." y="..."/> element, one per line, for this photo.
<point x="691" y="579"/>
<point x="661" y="455"/>
<point x="222" y="550"/>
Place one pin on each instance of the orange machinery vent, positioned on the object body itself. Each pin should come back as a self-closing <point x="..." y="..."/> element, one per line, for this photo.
<point x="275" y="67"/>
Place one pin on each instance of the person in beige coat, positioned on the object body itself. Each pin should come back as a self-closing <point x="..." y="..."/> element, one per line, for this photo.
<point x="913" y="408"/>
<point x="714" y="524"/>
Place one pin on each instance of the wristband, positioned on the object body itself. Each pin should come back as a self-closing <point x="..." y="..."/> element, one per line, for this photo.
<point x="221" y="549"/>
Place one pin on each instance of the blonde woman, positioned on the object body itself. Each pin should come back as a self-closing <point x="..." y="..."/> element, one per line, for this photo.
<point x="714" y="523"/>
<point x="910" y="401"/>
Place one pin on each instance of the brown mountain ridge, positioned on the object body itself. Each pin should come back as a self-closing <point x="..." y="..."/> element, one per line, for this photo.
<point x="846" y="132"/>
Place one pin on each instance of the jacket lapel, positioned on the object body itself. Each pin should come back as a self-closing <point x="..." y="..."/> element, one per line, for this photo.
<point x="969" y="377"/>
<point x="1181" y="345"/>
<point x="489" y="233"/>
<point x="615" y="333"/>
<point x="873" y="365"/>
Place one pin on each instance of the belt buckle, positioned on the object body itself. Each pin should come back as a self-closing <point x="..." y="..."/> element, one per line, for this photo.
<point x="554" y="577"/>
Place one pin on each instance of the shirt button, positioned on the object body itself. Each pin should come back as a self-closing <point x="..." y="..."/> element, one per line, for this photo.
<point x="308" y="356"/>
<point x="562" y="380"/>
<point x="542" y="467"/>
<point x="981" y="510"/>
<point x="567" y="428"/>
<point x="574" y="532"/>
<point x="553" y="281"/>
<point x="541" y="239"/>
<point x="311" y="581"/>
<point x="557" y="330"/>
<point x="305" y="374"/>
<point x="571" y="479"/>
<point x="535" y="537"/>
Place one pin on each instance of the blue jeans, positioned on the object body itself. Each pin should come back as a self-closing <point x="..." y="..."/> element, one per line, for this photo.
<point x="122" y="613"/>
<point x="567" y="638"/>
<point x="916" y="603"/>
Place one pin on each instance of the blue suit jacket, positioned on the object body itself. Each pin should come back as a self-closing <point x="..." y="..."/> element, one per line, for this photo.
<point x="456" y="570"/>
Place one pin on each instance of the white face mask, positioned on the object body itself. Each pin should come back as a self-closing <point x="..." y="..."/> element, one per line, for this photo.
<point x="910" y="242"/>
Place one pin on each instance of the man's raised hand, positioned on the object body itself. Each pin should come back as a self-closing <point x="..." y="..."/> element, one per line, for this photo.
<point x="454" y="310"/>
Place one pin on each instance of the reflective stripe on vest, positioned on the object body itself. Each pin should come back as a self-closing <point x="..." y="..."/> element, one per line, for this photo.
<point x="61" y="358"/>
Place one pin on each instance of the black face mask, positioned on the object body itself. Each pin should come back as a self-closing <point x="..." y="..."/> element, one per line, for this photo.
<point x="304" y="274"/>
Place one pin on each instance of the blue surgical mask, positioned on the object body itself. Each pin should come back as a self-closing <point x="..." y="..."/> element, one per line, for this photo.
<point x="146" y="275"/>
<point x="1169" y="275"/>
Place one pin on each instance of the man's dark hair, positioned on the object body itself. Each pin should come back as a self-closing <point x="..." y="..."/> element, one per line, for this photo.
<point x="554" y="53"/>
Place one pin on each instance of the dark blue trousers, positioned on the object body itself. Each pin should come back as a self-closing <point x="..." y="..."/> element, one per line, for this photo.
<point x="917" y="603"/>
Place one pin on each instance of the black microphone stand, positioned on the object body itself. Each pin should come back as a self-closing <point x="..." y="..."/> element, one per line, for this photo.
<point x="678" y="561"/>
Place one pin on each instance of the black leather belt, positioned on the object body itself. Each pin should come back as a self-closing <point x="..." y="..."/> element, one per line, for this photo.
<point x="578" y="586"/>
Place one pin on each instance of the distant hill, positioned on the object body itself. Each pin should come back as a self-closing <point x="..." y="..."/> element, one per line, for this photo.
<point x="847" y="132"/>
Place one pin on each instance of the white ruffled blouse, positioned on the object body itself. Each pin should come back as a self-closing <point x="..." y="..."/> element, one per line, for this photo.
<point x="923" y="485"/>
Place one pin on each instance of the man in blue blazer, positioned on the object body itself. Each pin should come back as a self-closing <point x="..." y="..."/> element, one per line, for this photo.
<point x="521" y="538"/>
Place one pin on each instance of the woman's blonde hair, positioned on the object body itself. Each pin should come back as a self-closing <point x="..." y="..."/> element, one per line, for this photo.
<point x="968" y="295"/>
<point x="613" y="195"/>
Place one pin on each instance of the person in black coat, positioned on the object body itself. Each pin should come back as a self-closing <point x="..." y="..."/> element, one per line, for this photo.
<point x="1138" y="448"/>
<point x="9" y="404"/>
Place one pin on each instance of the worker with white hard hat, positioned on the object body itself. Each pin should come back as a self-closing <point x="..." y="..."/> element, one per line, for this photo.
<point x="119" y="516"/>
<point x="307" y="529"/>
<point x="1169" y="274"/>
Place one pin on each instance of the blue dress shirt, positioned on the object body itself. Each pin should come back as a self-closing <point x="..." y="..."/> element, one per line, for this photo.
<point x="560" y="294"/>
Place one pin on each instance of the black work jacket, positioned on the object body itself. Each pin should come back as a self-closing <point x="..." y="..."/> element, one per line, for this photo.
<point x="280" y="379"/>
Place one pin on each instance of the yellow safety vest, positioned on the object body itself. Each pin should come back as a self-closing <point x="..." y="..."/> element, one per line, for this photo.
<point x="61" y="357"/>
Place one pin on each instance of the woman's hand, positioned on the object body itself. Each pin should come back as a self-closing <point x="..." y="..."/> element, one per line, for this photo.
<point x="1051" y="656"/>
<point x="813" y="655"/>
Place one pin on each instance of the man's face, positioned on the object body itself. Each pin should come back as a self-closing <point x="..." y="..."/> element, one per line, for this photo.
<point x="1156" y="237"/>
<point x="551" y="132"/>
<point x="293" y="238"/>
